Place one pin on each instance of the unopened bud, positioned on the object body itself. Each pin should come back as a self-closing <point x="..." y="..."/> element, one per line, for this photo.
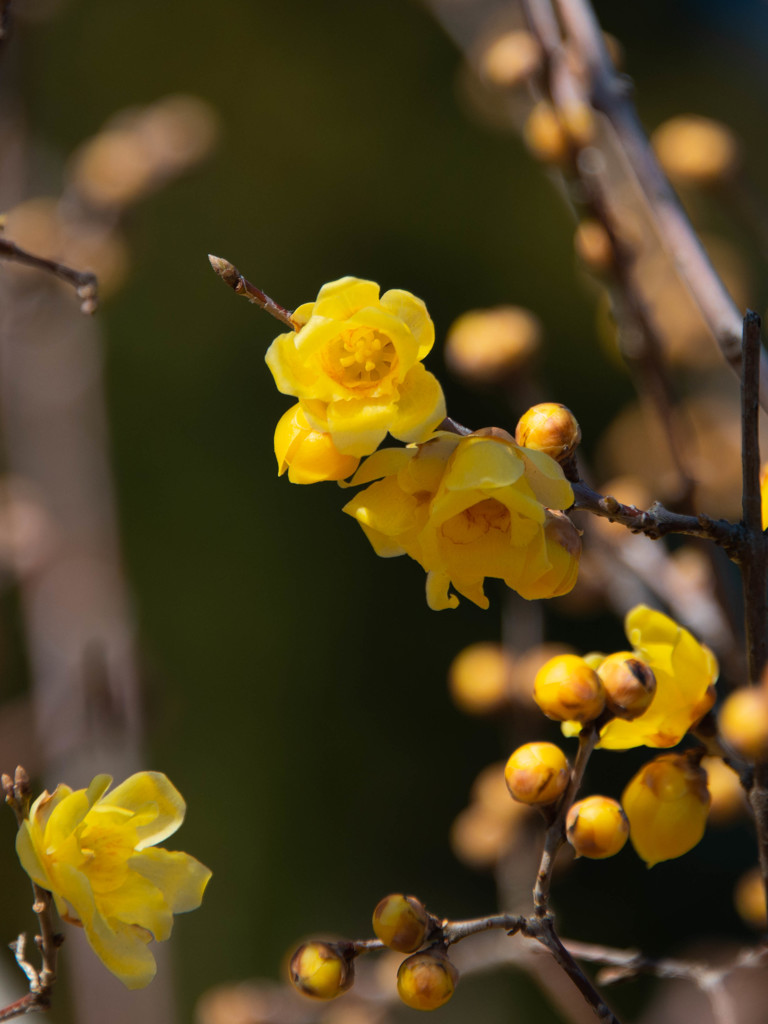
<point x="696" y="150"/>
<point x="567" y="689"/>
<point x="483" y="345"/>
<point x="728" y="801"/>
<point x="749" y="898"/>
<point x="480" y="678"/>
<point x="512" y="59"/>
<point x="596" y="827"/>
<point x="426" y="980"/>
<point x="321" y="970"/>
<point x="401" y="922"/>
<point x="545" y="136"/>
<point x="667" y="803"/>
<point x="630" y="684"/>
<point x="537" y="773"/>
<point x="743" y="721"/>
<point x="593" y="246"/>
<point x="549" y="427"/>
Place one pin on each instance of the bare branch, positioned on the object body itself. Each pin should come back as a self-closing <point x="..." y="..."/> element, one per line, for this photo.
<point x="84" y="283"/>
<point x="230" y="275"/>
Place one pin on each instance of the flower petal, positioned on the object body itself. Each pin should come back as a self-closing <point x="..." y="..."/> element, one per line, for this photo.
<point x="340" y="299"/>
<point x="413" y="312"/>
<point x="358" y="426"/>
<point x="421" y="406"/>
<point x="150" y="791"/>
<point x="181" y="878"/>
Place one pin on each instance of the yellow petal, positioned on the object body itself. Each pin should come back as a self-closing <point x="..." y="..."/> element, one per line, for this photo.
<point x="483" y="464"/>
<point x="65" y="817"/>
<point x="150" y="791"/>
<point x="181" y="878"/>
<point x="420" y="408"/>
<point x="338" y="300"/>
<point x="358" y="426"/>
<point x="27" y="854"/>
<point x="413" y="312"/>
<point x="384" y="462"/>
<point x="438" y="597"/>
<point x="546" y="479"/>
<point x="138" y="901"/>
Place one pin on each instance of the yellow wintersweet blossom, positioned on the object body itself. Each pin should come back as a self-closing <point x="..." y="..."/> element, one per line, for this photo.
<point x="95" y="852"/>
<point x="685" y="672"/>
<point x="469" y="507"/>
<point x="355" y="365"/>
<point x="307" y="455"/>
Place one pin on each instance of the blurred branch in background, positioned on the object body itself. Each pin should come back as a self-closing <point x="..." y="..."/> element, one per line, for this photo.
<point x="58" y="522"/>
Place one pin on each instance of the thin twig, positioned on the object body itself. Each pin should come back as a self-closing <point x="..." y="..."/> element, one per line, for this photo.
<point x="85" y="283"/>
<point x="230" y="275"/>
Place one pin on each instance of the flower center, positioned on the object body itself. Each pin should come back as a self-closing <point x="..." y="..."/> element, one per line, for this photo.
<point x="477" y="521"/>
<point x="105" y="851"/>
<point x="360" y="358"/>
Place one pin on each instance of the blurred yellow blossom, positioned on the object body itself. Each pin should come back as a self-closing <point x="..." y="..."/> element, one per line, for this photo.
<point x="685" y="672"/>
<point x="306" y="454"/>
<point x="95" y="852"/>
<point x="469" y="507"/>
<point x="355" y="365"/>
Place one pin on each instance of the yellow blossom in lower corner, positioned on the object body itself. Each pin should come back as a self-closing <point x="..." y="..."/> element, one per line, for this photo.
<point x="308" y="455"/>
<point x="95" y="851"/>
<point x="467" y="507"/>
<point x="685" y="672"/>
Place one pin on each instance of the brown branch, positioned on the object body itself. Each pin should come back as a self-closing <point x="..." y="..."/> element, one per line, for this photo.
<point x="84" y="282"/>
<point x="230" y="275"/>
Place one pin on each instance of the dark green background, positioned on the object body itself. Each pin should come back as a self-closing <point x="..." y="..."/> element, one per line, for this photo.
<point x="294" y="682"/>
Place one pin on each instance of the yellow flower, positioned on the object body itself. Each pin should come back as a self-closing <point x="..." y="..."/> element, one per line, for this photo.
<point x="469" y="507"/>
<point x="95" y="851"/>
<point x="685" y="672"/>
<point x="308" y="455"/>
<point x="355" y="365"/>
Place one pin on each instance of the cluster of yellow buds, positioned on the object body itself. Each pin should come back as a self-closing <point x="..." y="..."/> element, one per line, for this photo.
<point x="464" y="506"/>
<point x="426" y="978"/>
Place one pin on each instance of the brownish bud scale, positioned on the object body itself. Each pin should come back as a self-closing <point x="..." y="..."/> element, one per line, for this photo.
<point x="480" y="678"/>
<point x="696" y="150"/>
<point x="426" y="981"/>
<point x="321" y="970"/>
<point x="593" y="246"/>
<point x="596" y="827"/>
<point x="549" y="427"/>
<point x="567" y="689"/>
<point x="749" y="899"/>
<point x="537" y="773"/>
<point x="630" y="684"/>
<point x="401" y="922"/>
<point x="483" y="345"/>
<point x="512" y="59"/>
<point x="545" y="136"/>
<point x="743" y="721"/>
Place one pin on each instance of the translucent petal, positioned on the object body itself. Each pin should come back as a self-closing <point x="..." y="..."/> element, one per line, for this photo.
<point x="65" y="818"/>
<point x="546" y="479"/>
<point x="26" y="851"/>
<point x="340" y="299"/>
<point x="420" y="407"/>
<point x="181" y="879"/>
<point x="138" y="901"/>
<point x="413" y="312"/>
<point x="358" y="426"/>
<point x="384" y="462"/>
<point x="438" y="597"/>
<point x="150" y="790"/>
<point x="483" y="464"/>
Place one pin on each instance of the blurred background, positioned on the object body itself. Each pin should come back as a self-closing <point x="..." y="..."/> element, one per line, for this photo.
<point x="291" y="684"/>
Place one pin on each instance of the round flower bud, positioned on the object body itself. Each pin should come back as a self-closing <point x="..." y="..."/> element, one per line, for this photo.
<point x="743" y="721"/>
<point x="537" y="773"/>
<point x="749" y="898"/>
<point x="480" y="678"/>
<point x="667" y="803"/>
<point x="550" y="428"/>
<point x="511" y="59"/>
<point x="596" y="827"/>
<point x="578" y="120"/>
<point x="545" y="136"/>
<point x="728" y="800"/>
<point x="567" y="689"/>
<point x="426" y="980"/>
<point x="480" y="837"/>
<point x="485" y="344"/>
<point x="630" y="684"/>
<point x="593" y="246"/>
<point x="401" y="922"/>
<point x="321" y="970"/>
<point x="696" y="150"/>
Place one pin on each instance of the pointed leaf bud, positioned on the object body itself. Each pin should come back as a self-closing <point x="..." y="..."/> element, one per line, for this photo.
<point x="567" y="689"/>
<point x="537" y="773"/>
<point x="426" y="980"/>
<point x="667" y="803"/>
<point x="401" y="922"/>
<point x="596" y="827"/>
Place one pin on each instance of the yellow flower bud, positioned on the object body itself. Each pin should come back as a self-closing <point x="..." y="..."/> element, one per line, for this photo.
<point x="401" y="922"/>
<point x="567" y="689"/>
<point x="728" y="800"/>
<point x="749" y="899"/>
<point x="479" y="837"/>
<point x="321" y="970"/>
<point x="537" y="773"/>
<point x="578" y="120"/>
<point x="545" y="136"/>
<point x="549" y="427"/>
<point x="512" y="59"/>
<point x="486" y="344"/>
<point x="596" y="827"/>
<point x="743" y="721"/>
<point x="667" y="803"/>
<point x="480" y="678"/>
<point x="309" y="455"/>
<point x="629" y="683"/>
<point x="593" y="246"/>
<point x="696" y="150"/>
<point x="426" y="980"/>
